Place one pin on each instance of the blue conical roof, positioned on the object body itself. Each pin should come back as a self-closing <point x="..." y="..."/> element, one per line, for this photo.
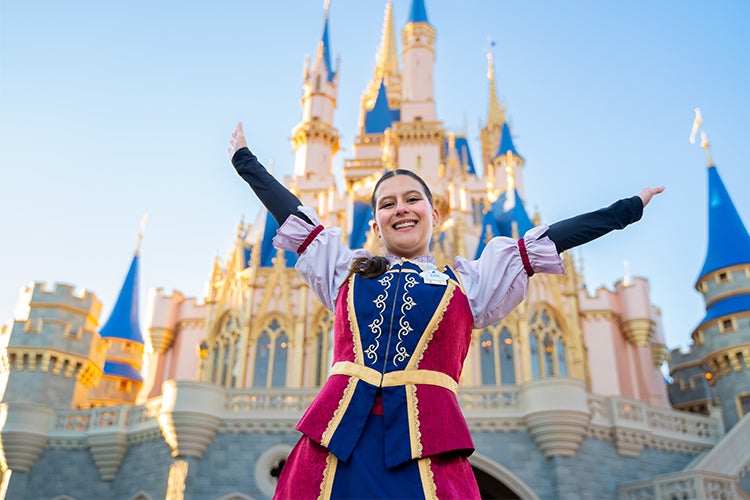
<point x="327" y="51"/>
<point x="506" y="143"/>
<point x="123" y="322"/>
<point x="498" y="221"/>
<point x="418" y="13"/>
<point x="728" y="240"/>
<point x="380" y="116"/>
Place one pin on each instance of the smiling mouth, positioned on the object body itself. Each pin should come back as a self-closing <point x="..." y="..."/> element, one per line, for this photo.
<point x="403" y="225"/>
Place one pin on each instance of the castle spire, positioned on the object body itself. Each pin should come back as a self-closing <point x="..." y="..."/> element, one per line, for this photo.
<point x="728" y="239"/>
<point x="123" y="322"/>
<point x="387" y="56"/>
<point x="724" y="223"/>
<point x="495" y="112"/>
<point x="418" y="12"/>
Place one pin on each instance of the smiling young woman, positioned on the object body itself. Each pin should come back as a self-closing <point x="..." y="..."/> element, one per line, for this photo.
<point x="387" y="424"/>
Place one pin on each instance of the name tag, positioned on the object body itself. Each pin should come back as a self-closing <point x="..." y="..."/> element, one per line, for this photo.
<point x="434" y="277"/>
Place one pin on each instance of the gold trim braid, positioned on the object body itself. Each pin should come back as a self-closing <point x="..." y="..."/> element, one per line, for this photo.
<point x="428" y="479"/>
<point x="333" y="424"/>
<point x="395" y="378"/>
<point x="329" y="473"/>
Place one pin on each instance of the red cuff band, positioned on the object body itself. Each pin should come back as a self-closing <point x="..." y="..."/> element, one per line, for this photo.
<point x="525" y="258"/>
<point x="309" y="239"/>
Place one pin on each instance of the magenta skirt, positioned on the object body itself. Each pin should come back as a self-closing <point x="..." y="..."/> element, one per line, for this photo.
<point x="311" y="471"/>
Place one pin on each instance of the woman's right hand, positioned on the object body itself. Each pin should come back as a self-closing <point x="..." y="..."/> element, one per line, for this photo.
<point x="238" y="140"/>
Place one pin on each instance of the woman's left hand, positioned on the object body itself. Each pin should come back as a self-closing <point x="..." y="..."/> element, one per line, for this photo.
<point x="647" y="193"/>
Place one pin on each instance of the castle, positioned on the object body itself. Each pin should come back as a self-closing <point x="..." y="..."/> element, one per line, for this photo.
<point x="565" y="397"/>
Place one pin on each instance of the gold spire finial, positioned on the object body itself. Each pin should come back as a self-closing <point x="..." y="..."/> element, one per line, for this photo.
<point x="387" y="56"/>
<point x="326" y="6"/>
<point x="697" y="122"/>
<point x="144" y="218"/>
<point x="495" y="113"/>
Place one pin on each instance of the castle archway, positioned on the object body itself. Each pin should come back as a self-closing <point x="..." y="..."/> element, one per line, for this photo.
<point x="498" y="482"/>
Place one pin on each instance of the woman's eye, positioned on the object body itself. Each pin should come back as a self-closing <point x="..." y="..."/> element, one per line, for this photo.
<point x="387" y="204"/>
<point x="413" y="199"/>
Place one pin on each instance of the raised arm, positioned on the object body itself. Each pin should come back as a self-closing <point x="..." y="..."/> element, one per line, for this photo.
<point x="274" y="196"/>
<point x="583" y="228"/>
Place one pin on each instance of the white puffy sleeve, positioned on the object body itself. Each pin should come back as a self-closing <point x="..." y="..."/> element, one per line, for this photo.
<point x="498" y="280"/>
<point x="324" y="261"/>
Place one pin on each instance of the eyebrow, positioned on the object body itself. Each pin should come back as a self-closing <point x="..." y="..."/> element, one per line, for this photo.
<point x="406" y="193"/>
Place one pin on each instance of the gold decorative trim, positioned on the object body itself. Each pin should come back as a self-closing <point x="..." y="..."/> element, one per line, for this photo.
<point x="412" y="410"/>
<point x="339" y="413"/>
<point x="429" y="332"/>
<point x="358" y="351"/>
<point x="429" y="488"/>
<point x="329" y="473"/>
<point x="395" y="378"/>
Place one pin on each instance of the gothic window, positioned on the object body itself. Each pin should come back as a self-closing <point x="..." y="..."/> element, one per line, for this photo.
<point x="271" y="352"/>
<point x="487" y="357"/>
<point x="262" y="355"/>
<point x="496" y="357"/>
<point x="546" y="346"/>
<point x="279" y="361"/>
<point x="507" y="365"/>
<point x="322" y="350"/>
<point x="225" y="355"/>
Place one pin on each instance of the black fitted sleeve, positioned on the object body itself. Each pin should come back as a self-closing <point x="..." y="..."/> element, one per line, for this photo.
<point x="583" y="228"/>
<point x="274" y="196"/>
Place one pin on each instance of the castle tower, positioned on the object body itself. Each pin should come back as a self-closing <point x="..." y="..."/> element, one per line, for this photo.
<point x="315" y="140"/>
<point x="420" y="135"/>
<point x="122" y="379"/>
<point x="492" y="130"/>
<point x="374" y="148"/>
<point x="723" y="335"/>
<point x="54" y="353"/>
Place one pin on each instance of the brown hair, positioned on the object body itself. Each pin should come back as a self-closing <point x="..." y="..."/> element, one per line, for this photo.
<point x="376" y="265"/>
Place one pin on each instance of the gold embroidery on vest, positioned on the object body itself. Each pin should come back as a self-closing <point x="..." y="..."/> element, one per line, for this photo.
<point x="358" y="355"/>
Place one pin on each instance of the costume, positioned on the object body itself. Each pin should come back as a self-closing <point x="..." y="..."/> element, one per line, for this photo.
<point x="400" y="341"/>
<point x="387" y="423"/>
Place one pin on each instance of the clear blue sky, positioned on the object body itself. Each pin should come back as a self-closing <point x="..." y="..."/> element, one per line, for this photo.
<point x="112" y="109"/>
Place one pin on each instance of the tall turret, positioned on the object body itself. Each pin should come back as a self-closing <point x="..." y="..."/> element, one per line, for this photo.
<point x="492" y="130"/>
<point x="420" y="136"/>
<point x="122" y="379"/>
<point x="722" y="338"/>
<point x="315" y="139"/>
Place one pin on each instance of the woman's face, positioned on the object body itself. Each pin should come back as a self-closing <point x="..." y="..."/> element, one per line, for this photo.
<point x="404" y="217"/>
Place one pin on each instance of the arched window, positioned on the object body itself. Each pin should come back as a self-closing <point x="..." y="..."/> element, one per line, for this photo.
<point x="546" y="346"/>
<point x="496" y="356"/>
<point x="279" y="361"/>
<point x="322" y="350"/>
<point x="271" y="352"/>
<point x="262" y="360"/>
<point x="225" y="358"/>
<point x="487" y="357"/>
<point x="507" y="364"/>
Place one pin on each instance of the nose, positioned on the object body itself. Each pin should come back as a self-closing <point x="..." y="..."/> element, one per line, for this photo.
<point x="402" y="207"/>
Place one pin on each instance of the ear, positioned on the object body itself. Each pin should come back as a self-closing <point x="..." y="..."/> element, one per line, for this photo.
<point x="376" y="229"/>
<point x="435" y="217"/>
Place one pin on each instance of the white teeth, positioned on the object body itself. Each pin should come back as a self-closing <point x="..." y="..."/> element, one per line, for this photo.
<point x="405" y="224"/>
